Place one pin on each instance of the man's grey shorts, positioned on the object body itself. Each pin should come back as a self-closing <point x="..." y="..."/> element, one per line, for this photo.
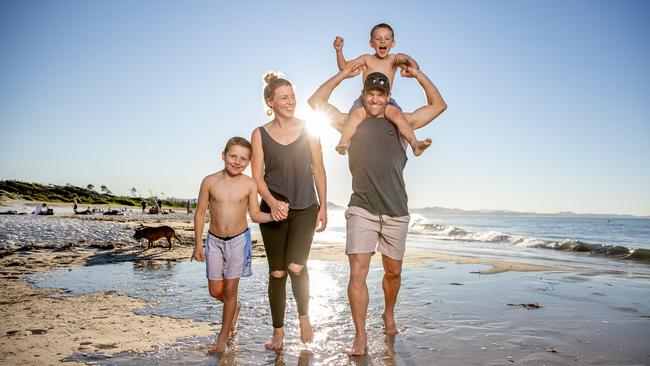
<point x="228" y="259"/>
<point x="367" y="231"/>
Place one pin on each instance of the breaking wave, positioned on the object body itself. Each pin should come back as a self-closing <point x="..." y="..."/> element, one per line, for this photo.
<point x="451" y="233"/>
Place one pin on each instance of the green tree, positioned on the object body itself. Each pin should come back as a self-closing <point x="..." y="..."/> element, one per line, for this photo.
<point x="105" y="189"/>
<point x="90" y="187"/>
<point x="133" y="191"/>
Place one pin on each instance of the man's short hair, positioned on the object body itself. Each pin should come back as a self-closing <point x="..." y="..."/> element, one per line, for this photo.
<point x="239" y="141"/>
<point x="376" y="81"/>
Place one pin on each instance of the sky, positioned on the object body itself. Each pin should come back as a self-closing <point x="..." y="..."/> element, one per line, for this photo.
<point x="548" y="101"/>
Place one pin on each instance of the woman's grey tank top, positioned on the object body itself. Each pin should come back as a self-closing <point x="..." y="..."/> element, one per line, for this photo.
<point x="288" y="171"/>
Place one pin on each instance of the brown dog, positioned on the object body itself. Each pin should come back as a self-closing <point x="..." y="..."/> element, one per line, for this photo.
<point x="154" y="233"/>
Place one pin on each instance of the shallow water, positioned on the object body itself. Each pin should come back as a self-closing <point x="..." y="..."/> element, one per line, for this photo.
<point x="446" y="314"/>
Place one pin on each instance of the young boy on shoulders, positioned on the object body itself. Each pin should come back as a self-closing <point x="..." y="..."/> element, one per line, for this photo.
<point x="229" y="194"/>
<point x="382" y="39"/>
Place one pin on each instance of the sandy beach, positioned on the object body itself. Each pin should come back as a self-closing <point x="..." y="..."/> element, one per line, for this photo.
<point x="478" y="319"/>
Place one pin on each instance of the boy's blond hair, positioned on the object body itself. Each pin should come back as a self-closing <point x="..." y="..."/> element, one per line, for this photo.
<point x="238" y="141"/>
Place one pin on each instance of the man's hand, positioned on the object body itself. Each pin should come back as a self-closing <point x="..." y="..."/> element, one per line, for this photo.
<point x="408" y="71"/>
<point x="405" y="62"/>
<point x="352" y="69"/>
<point x="338" y="44"/>
<point x="198" y="255"/>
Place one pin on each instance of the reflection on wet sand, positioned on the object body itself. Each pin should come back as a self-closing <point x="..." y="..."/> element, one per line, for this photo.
<point x="470" y="324"/>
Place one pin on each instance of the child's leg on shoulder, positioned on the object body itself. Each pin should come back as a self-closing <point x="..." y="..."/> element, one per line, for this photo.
<point x="355" y="118"/>
<point x="396" y="116"/>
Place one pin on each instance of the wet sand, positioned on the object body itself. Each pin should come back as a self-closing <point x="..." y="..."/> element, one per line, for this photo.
<point x="40" y="327"/>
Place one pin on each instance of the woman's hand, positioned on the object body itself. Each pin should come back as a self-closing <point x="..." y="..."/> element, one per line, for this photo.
<point x="321" y="219"/>
<point x="279" y="210"/>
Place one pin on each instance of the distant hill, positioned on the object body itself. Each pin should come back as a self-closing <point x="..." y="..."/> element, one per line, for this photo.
<point x="13" y="189"/>
<point x="458" y="212"/>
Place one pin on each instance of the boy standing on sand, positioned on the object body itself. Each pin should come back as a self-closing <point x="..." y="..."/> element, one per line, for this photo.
<point x="228" y="246"/>
<point x="382" y="39"/>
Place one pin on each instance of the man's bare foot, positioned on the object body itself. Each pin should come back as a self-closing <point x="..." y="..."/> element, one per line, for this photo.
<point x="419" y="146"/>
<point x="359" y="346"/>
<point x="220" y="347"/>
<point x="233" y="328"/>
<point x="306" y="332"/>
<point x="342" y="148"/>
<point x="276" y="341"/>
<point x="389" y="325"/>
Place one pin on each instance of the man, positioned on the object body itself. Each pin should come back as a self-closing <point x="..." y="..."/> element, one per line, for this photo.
<point x="378" y="213"/>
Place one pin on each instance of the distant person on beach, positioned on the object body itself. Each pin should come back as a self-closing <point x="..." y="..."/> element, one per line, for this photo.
<point x="382" y="39"/>
<point x="377" y="214"/>
<point x="154" y="208"/>
<point x="41" y="209"/>
<point x="287" y="162"/>
<point x="228" y="194"/>
<point x="160" y="203"/>
<point x="74" y="207"/>
<point x="188" y="205"/>
<point x="143" y="203"/>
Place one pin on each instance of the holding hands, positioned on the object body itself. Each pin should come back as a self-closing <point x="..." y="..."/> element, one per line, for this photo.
<point x="406" y="65"/>
<point x="352" y="69"/>
<point x="279" y="210"/>
<point x="409" y="71"/>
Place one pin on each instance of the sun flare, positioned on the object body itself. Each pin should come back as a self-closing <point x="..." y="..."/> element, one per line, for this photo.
<point x="317" y="123"/>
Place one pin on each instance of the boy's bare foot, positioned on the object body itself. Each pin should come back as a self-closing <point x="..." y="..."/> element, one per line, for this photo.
<point x="306" y="332"/>
<point x="220" y="347"/>
<point x="276" y="341"/>
<point x="419" y="146"/>
<point x="389" y="325"/>
<point x="342" y="148"/>
<point x="359" y="346"/>
<point x="233" y="328"/>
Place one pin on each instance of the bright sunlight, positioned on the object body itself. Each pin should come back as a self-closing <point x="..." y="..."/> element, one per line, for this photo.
<point x="318" y="125"/>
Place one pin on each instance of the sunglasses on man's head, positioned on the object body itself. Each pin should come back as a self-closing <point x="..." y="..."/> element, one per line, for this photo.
<point x="378" y="81"/>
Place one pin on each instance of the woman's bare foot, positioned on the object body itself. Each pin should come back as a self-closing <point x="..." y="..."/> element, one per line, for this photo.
<point x="419" y="146"/>
<point x="277" y="340"/>
<point x="359" y="346"/>
<point x="233" y="328"/>
<point x="306" y="332"/>
<point x="389" y="325"/>
<point x="220" y="347"/>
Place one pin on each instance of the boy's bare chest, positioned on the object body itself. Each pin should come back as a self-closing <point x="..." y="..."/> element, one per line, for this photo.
<point x="229" y="193"/>
<point x="383" y="66"/>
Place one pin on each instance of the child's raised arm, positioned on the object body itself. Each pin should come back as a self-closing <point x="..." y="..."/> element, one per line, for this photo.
<point x="338" y="46"/>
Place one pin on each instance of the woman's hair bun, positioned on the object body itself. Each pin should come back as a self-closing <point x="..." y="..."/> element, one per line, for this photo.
<point x="269" y="77"/>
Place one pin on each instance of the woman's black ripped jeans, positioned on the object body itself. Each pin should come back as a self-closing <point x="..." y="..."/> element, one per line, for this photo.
<point x="288" y="242"/>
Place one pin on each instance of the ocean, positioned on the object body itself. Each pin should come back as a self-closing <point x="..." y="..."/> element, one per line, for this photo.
<point x="576" y="241"/>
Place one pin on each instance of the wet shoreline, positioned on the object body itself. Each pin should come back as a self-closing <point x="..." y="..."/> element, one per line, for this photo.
<point x="448" y="309"/>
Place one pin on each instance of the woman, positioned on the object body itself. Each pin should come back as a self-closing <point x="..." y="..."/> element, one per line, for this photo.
<point x="286" y="164"/>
